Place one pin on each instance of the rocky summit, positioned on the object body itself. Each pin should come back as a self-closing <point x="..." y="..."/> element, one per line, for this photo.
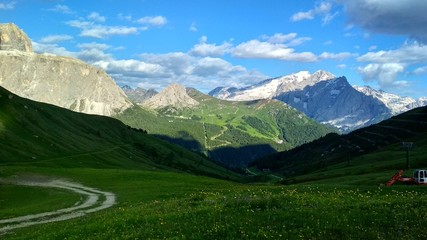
<point x="175" y="96"/>
<point x="62" y="81"/>
<point x="11" y="37"/>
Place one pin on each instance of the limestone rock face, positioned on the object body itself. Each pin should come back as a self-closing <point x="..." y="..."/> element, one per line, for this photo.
<point x="173" y="96"/>
<point x="61" y="81"/>
<point x="13" y="38"/>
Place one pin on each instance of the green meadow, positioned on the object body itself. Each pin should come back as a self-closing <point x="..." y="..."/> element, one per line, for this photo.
<point x="165" y="205"/>
<point x="166" y="192"/>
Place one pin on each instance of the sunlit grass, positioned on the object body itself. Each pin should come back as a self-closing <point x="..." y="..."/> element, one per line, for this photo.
<point x="155" y="205"/>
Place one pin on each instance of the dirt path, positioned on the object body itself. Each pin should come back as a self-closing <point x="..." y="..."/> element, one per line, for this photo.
<point x="94" y="200"/>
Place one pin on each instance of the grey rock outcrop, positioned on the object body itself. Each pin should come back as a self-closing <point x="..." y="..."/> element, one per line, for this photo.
<point x="337" y="103"/>
<point x="13" y="38"/>
<point x="138" y="95"/>
<point x="175" y="96"/>
<point x="62" y="81"/>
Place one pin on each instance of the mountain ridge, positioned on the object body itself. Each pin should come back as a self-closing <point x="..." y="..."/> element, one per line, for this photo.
<point x="62" y="81"/>
<point x="318" y="95"/>
<point x="230" y="132"/>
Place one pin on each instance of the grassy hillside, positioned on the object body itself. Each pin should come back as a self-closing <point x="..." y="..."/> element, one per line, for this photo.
<point x="156" y="201"/>
<point x="38" y="134"/>
<point x="373" y="149"/>
<point x="232" y="133"/>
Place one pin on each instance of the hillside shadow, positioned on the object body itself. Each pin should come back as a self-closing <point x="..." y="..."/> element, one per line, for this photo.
<point x="185" y="140"/>
<point x="240" y="157"/>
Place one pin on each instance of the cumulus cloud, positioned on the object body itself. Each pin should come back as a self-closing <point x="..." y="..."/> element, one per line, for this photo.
<point x="91" y="29"/>
<point x="193" y="27"/>
<point x="153" y="20"/>
<point x="94" y="16"/>
<point x="205" y="49"/>
<point x="277" y="47"/>
<point x="7" y="5"/>
<point x="385" y="73"/>
<point x="322" y="9"/>
<point x="336" y="56"/>
<point x="62" y="9"/>
<point x="385" y="66"/>
<point x="55" y="38"/>
<point x="420" y="70"/>
<point x="51" y="48"/>
<point x="267" y="50"/>
<point x="403" y="17"/>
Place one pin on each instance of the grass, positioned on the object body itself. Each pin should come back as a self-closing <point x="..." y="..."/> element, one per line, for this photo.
<point x="164" y="192"/>
<point x="216" y="124"/>
<point x="162" y="205"/>
<point x="21" y="200"/>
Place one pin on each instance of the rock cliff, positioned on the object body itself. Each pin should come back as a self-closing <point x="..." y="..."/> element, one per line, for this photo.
<point x="173" y="96"/>
<point x="61" y="81"/>
<point x="11" y="37"/>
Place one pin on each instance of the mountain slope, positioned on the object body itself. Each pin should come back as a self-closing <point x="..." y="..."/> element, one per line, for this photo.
<point x="138" y="95"/>
<point x="38" y="134"/>
<point x="393" y="102"/>
<point x="337" y="103"/>
<point x="333" y="149"/>
<point x="232" y="133"/>
<point x="325" y="98"/>
<point x="62" y="81"/>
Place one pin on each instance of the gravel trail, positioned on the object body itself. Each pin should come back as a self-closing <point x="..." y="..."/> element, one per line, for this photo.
<point x="94" y="200"/>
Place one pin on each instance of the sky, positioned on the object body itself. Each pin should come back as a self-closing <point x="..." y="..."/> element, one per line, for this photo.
<point x="234" y="43"/>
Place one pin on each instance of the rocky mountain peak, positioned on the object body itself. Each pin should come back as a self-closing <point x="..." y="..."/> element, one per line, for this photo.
<point x="174" y="95"/>
<point x="62" y="81"/>
<point x="13" y="38"/>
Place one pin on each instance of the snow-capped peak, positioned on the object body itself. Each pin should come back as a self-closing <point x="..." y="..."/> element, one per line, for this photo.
<point x="272" y="87"/>
<point x="394" y="102"/>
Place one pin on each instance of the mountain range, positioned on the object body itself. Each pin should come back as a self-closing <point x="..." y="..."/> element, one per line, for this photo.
<point x="326" y="98"/>
<point x="233" y="133"/>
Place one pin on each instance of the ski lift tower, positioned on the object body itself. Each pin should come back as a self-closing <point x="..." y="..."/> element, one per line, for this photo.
<point x="407" y="146"/>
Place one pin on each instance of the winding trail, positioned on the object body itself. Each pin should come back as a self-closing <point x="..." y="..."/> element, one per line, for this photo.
<point x="95" y="200"/>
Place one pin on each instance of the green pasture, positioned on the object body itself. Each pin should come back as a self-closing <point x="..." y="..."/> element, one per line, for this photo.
<point x="164" y="205"/>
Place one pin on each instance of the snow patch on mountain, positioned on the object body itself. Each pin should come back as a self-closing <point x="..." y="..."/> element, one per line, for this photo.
<point x="394" y="102"/>
<point x="270" y="88"/>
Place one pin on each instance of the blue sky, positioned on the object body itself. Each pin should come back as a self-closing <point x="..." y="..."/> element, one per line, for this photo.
<point x="206" y="44"/>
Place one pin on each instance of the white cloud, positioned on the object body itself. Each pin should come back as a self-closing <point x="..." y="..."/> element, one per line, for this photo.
<point x="341" y="66"/>
<point x="408" y="53"/>
<point x="336" y="56"/>
<point x="373" y="47"/>
<point x="205" y="49"/>
<point x="7" y="5"/>
<point x="51" y="48"/>
<point x="420" y="70"/>
<point x="62" y="9"/>
<point x="90" y="29"/>
<point x="124" y="17"/>
<point x="403" y="17"/>
<point x="385" y="66"/>
<point x="153" y="20"/>
<point x="193" y="27"/>
<point x="323" y="9"/>
<point x="55" y="38"/>
<point x="160" y="70"/>
<point x="94" y="16"/>
<point x="267" y="50"/>
<point x="385" y="73"/>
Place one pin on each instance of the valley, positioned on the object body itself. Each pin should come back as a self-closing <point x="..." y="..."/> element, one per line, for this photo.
<point x="231" y="133"/>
